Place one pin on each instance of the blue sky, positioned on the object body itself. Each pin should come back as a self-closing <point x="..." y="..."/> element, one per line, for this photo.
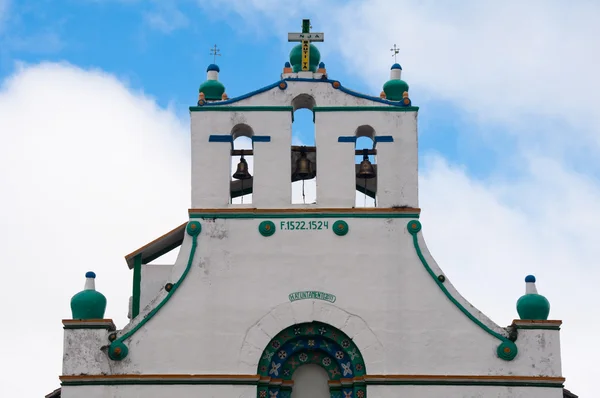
<point x="94" y="98"/>
<point x="164" y="51"/>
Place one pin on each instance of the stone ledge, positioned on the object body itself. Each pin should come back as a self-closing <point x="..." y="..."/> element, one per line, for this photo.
<point x="536" y="324"/>
<point x="107" y="324"/>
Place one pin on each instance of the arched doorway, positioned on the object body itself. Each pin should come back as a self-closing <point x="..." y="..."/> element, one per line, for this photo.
<point x="310" y="381"/>
<point x="313" y="343"/>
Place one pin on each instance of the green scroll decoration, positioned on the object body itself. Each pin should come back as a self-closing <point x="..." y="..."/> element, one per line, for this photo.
<point x="507" y="350"/>
<point x="117" y="349"/>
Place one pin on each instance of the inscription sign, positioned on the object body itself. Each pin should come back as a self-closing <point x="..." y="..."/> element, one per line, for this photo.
<point x="303" y="225"/>
<point x="310" y="294"/>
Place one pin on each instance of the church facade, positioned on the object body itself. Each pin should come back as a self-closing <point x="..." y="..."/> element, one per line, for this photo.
<point x="325" y="299"/>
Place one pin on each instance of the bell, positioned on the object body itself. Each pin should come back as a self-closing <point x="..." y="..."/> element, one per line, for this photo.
<point x="242" y="172"/>
<point x="365" y="170"/>
<point x="303" y="166"/>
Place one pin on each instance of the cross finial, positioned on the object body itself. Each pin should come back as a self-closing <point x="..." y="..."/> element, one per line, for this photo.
<point x="395" y="51"/>
<point x="306" y="26"/>
<point x="215" y="52"/>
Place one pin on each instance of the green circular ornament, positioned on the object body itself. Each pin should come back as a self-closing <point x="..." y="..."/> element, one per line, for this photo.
<point x="212" y="89"/>
<point x="413" y="226"/>
<point x="193" y="228"/>
<point x="296" y="58"/>
<point x="266" y="228"/>
<point x="117" y="351"/>
<point x="533" y="306"/>
<point x="340" y="228"/>
<point x="507" y="350"/>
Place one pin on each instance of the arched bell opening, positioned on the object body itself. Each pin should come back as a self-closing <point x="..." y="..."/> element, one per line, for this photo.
<point x="313" y="343"/>
<point x="242" y="164"/>
<point x="365" y="167"/>
<point x="303" y="151"/>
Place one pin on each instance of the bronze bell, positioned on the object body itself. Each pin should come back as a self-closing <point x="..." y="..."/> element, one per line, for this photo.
<point x="366" y="169"/>
<point x="242" y="172"/>
<point x="303" y="166"/>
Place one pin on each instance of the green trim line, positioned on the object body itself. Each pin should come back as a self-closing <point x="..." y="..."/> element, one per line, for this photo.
<point x="462" y="383"/>
<point x="255" y="382"/>
<point x="507" y="350"/>
<point x="117" y="349"/>
<point x="365" y="109"/>
<point x="241" y="108"/>
<point x="137" y="281"/>
<point x="158" y="382"/>
<point x="300" y="215"/>
<point x="538" y="327"/>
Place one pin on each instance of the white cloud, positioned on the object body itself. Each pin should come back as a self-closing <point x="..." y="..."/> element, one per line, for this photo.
<point x="487" y="235"/>
<point x="528" y="66"/>
<point x="90" y="171"/>
<point x="166" y="17"/>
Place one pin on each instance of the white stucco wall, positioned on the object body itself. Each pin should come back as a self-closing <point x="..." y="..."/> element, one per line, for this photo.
<point x="195" y="391"/>
<point x="154" y="277"/>
<point x="462" y="392"/>
<point x="152" y="391"/>
<point x="236" y="297"/>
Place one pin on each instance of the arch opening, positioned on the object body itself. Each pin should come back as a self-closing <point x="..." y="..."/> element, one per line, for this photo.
<point x="242" y="164"/>
<point x="303" y="101"/>
<point x="365" y="165"/>
<point x="303" y="151"/>
<point x="313" y="343"/>
<point x="310" y="381"/>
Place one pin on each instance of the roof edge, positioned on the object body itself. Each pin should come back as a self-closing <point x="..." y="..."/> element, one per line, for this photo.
<point x="159" y="246"/>
<point x="283" y="85"/>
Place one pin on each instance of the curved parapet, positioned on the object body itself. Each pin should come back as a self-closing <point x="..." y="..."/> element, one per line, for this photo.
<point x="507" y="349"/>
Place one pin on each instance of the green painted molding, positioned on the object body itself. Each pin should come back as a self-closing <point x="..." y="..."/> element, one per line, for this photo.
<point x="117" y="349"/>
<point x="253" y="381"/>
<point x="300" y="215"/>
<point x="534" y="327"/>
<point x="365" y="109"/>
<point x="137" y="286"/>
<point x="158" y="382"/>
<point x="507" y="349"/>
<point x="246" y="108"/>
<point x="504" y="383"/>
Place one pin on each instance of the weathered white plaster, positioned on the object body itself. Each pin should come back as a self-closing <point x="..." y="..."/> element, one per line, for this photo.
<point x="541" y="348"/>
<point x="336" y="176"/>
<point x="82" y="352"/>
<point x="461" y="392"/>
<point x="160" y="391"/>
<point x="153" y="278"/>
<point x="396" y="298"/>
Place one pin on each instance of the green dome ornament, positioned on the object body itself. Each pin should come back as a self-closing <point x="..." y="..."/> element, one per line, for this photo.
<point x="88" y="304"/>
<point x="532" y="306"/>
<point x="395" y="88"/>
<point x="314" y="57"/>
<point x="212" y="89"/>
